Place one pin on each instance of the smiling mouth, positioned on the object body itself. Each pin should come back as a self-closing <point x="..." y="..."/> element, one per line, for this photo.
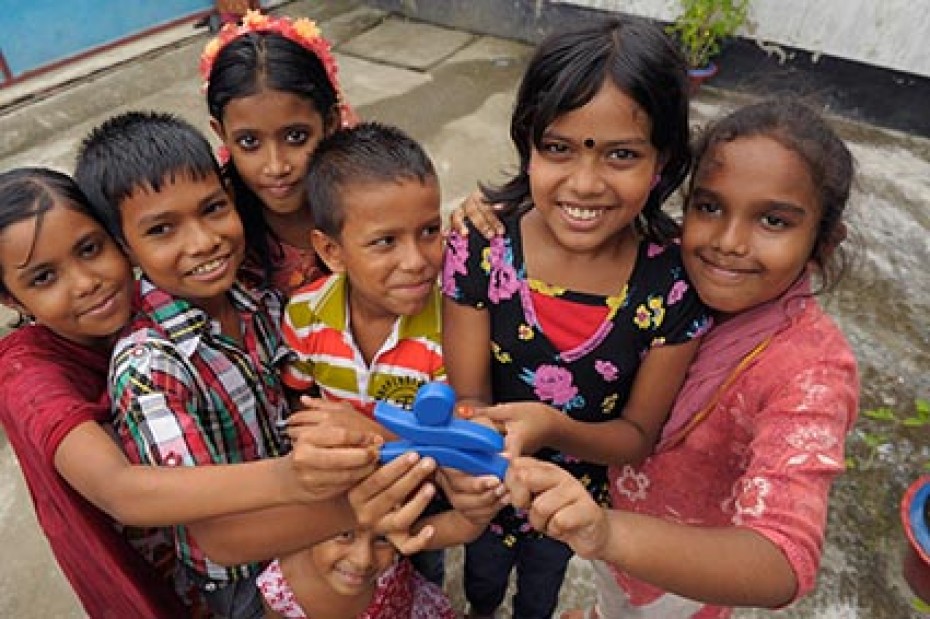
<point x="103" y="305"/>
<point x="208" y="267"/>
<point x="416" y="287"/>
<point x="581" y="214"/>
<point x="280" y="191"/>
<point x="727" y="271"/>
<point x="353" y="578"/>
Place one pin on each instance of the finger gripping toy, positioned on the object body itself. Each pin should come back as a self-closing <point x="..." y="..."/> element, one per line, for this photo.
<point x="431" y="430"/>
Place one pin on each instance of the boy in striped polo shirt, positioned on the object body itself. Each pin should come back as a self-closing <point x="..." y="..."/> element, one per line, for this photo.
<point x="371" y="330"/>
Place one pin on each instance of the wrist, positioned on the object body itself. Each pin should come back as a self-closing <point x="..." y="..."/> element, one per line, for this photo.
<point x="612" y="549"/>
<point x="286" y="486"/>
<point x="558" y="427"/>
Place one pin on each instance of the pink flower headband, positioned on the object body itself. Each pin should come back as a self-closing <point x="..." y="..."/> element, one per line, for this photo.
<point x="302" y="31"/>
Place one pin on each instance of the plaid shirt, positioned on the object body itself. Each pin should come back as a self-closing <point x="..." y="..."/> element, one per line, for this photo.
<point x="184" y="394"/>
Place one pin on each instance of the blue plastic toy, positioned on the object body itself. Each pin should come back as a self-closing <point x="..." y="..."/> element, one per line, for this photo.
<point x="431" y="430"/>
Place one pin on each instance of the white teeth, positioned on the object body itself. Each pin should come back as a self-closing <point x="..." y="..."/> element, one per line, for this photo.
<point x="207" y="267"/>
<point x="581" y="213"/>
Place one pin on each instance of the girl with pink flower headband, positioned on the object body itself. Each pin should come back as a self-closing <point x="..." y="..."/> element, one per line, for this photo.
<point x="577" y="316"/>
<point x="273" y="93"/>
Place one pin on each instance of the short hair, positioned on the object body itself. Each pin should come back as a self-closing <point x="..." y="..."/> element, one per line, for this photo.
<point x="369" y="153"/>
<point x="569" y="68"/>
<point x="139" y="150"/>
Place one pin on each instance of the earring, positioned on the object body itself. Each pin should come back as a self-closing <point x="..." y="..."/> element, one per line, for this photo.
<point x="22" y="319"/>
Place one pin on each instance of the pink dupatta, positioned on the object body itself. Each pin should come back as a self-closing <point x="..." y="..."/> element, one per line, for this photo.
<point x="725" y="352"/>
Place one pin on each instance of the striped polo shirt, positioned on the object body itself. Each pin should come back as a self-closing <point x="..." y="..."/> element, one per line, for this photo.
<point x="316" y="328"/>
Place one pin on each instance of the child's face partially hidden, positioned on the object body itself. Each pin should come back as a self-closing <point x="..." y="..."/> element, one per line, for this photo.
<point x="593" y="171"/>
<point x="390" y="246"/>
<point x="351" y="562"/>
<point x="64" y="269"/>
<point x="270" y="136"/>
<point x="186" y="238"/>
<point x="751" y="223"/>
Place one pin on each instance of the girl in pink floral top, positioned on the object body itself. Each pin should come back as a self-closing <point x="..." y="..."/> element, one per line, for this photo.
<point x="731" y="509"/>
<point x="354" y="574"/>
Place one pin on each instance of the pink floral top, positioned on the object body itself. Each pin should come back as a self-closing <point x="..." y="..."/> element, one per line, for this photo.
<point x="765" y="456"/>
<point x="401" y="593"/>
<point x="591" y="381"/>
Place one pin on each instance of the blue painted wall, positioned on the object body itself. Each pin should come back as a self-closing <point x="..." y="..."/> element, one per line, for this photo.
<point x="35" y="33"/>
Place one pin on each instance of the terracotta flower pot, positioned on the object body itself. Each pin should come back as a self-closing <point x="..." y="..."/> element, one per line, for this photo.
<point x="915" y="509"/>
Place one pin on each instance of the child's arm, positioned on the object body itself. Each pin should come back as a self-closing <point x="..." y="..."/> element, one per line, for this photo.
<point x="626" y="440"/>
<point x="476" y="500"/>
<point x="466" y="350"/>
<point x="389" y="500"/>
<point x="727" y="566"/>
<point x="89" y="460"/>
<point x="450" y="528"/>
<point x="342" y="414"/>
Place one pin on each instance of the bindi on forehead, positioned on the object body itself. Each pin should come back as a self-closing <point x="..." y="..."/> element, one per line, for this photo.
<point x="589" y="143"/>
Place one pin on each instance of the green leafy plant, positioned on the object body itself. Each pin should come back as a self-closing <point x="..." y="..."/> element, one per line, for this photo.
<point x="888" y="420"/>
<point x="703" y="25"/>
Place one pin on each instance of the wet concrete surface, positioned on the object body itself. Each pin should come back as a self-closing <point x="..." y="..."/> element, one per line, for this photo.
<point x="453" y="91"/>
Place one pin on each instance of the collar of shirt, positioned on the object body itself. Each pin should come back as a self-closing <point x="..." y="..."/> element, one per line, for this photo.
<point x="333" y="310"/>
<point x="184" y="322"/>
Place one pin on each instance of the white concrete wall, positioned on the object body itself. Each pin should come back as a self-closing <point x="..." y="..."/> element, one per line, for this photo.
<point x="894" y="34"/>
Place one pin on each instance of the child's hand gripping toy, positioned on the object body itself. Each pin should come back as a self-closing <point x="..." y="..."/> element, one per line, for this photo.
<point x="432" y="431"/>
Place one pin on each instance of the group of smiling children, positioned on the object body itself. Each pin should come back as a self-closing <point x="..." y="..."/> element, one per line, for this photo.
<point x="219" y="405"/>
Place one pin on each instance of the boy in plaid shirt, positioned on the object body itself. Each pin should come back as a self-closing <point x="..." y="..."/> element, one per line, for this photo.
<point x="193" y="380"/>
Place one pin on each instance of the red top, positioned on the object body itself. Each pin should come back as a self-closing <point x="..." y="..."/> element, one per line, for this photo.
<point x="48" y="386"/>
<point x="566" y="323"/>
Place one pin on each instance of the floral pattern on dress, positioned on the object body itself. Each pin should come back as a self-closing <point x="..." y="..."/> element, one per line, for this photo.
<point x="607" y="370"/>
<point x="554" y="384"/>
<point x="632" y="484"/>
<point x="765" y="456"/>
<point x="504" y="280"/>
<point x="591" y="382"/>
<point x="401" y="593"/>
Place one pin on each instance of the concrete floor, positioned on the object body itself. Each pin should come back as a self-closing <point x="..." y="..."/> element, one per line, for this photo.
<point x="450" y="89"/>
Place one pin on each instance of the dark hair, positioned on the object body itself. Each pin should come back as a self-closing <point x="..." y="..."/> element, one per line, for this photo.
<point x="367" y="153"/>
<point x="804" y="131"/>
<point x="139" y="150"/>
<point x="249" y="64"/>
<point x="567" y="71"/>
<point x="31" y="192"/>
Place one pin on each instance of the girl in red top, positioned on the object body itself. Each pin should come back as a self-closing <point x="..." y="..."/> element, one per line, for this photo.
<point x="60" y="267"/>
